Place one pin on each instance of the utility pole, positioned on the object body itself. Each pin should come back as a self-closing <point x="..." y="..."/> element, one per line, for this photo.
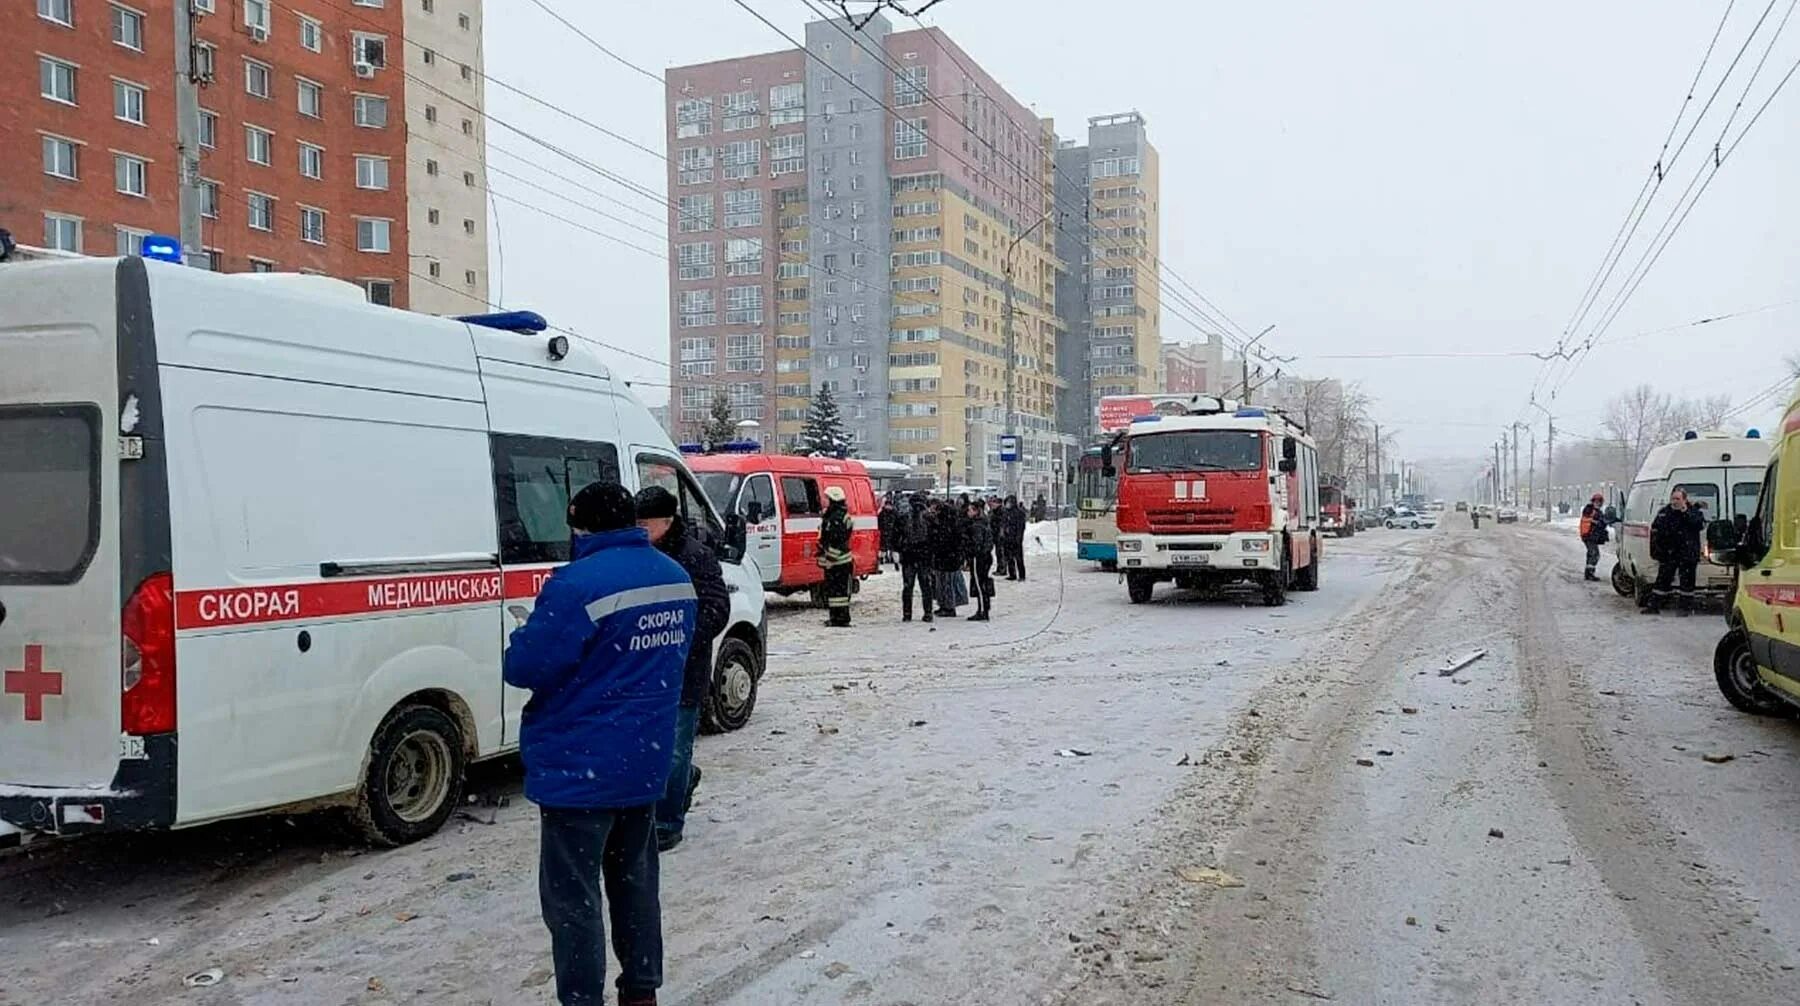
<point x="1531" y="472"/>
<point x="1515" y="458"/>
<point x="1012" y="359"/>
<point x="1244" y="357"/>
<point x="1549" y="461"/>
<point x="1499" y="471"/>
<point x="1380" y="483"/>
<point x="188" y="80"/>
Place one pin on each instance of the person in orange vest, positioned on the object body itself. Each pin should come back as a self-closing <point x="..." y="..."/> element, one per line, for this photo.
<point x="1593" y="533"/>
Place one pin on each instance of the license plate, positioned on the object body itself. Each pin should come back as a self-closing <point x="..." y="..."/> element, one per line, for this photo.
<point x="1188" y="558"/>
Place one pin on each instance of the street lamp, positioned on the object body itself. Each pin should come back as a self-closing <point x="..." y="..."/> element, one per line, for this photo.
<point x="949" y="459"/>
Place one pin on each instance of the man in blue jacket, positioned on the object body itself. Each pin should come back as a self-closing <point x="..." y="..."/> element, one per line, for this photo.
<point x="602" y="655"/>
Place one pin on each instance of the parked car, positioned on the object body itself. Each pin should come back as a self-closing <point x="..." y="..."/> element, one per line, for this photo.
<point x="1462" y="506"/>
<point x="1409" y="519"/>
<point x="1508" y="516"/>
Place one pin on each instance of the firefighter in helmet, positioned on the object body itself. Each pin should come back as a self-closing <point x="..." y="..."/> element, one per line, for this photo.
<point x="834" y="556"/>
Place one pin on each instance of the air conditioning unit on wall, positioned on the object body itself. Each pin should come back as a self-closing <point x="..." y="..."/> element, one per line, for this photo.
<point x="365" y="70"/>
<point x="258" y="33"/>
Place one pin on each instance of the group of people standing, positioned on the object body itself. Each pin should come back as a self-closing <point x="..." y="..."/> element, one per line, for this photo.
<point x="952" y="550"/>
<point x="1674" y="547"/>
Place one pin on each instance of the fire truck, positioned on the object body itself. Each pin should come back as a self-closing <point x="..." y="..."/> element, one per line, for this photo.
<point x="777" y="500"/>
<point x="1337" y="511"/>
<point x="1207" y="499"/>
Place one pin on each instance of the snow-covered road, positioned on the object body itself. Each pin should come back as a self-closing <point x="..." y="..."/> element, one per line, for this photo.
<point x="1021" y="812"/>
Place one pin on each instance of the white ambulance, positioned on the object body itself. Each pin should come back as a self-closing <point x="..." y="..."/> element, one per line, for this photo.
<point x="262" y="543"/>
<point x="1720" y="472"/>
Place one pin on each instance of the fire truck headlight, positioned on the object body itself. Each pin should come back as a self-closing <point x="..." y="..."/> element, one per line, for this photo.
<point x="1130" y="545"/>
<point x="1256" y="545"/>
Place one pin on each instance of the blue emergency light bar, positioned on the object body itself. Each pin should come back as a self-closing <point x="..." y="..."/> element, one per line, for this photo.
<point x="1145" y="419"/>
<point x="523" y="322"/>
<point x="161" y="247"/>
<point x="1754" y="434"/>
<point x="1250" y="412"/>
<point x="740" y="447"/>
<point x="692" y="448"/>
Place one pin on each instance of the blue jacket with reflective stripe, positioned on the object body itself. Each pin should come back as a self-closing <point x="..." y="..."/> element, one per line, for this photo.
<point x="603" y="654"/>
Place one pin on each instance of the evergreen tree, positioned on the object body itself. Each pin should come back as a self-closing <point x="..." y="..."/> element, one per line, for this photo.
<point x="824" y="430"/>
<point x="719" y="427"/>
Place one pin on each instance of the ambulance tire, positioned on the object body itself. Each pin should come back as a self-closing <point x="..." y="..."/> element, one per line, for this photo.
<point x="1621" y="581"/>
<point x="1735" y="670"/>
<point x="727" y="705"/>
<point x="414" y="780"/>
<point x="1308" y="578"/>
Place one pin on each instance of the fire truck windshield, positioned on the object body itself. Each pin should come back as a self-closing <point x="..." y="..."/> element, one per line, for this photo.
<point x="1195" y="451"/>
<point x="720" y="487"/>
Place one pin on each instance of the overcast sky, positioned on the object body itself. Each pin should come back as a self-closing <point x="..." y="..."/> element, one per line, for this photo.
<point x="1396" y="176"/>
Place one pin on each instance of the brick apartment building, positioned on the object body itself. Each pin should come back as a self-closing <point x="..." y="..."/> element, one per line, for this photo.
<point x="845" y="216"/>
<point x="300" y="142"/>
<point x="1196" y="368"/>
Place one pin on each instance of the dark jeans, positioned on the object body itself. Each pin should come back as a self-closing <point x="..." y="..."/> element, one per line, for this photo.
<point x="918" y="571"/>
<point x="579" y="850"/>
<point x="1666" y="575"/>
<point x="1016" y="552"/>
<point x="1593" y="555"/>
<point x="983" y="581"/>
<point x="671" y="810"/>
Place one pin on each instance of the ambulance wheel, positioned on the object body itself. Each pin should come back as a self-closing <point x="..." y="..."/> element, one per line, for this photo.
<point x="415" y="777"/>
<point x="1139" y="586"/>
<point x="1735" y="669"/>
<point x="728" y="703"/>
<point x="1308" y="578"/>
<point x="1621" y="581"/>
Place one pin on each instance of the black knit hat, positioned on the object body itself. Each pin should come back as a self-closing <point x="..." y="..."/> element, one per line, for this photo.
<point x="602" y="506"/>
<point x="655" y="501"/>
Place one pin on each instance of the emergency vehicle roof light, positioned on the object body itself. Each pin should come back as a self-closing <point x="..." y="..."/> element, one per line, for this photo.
<point x="693" y="448"/>
<point x="522" y="322"/>
<point x="1251" y="412"/>
<point x="741" y="447"/>
<point x="1753" y="434"/>
<point x="1691" y="435"/>
<point x="1145" y="419"/>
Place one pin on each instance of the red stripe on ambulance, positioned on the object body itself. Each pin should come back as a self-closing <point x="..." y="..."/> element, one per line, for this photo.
<point x="227" y="606"/>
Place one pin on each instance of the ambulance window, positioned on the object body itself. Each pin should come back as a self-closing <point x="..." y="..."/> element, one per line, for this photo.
<point x="800" y="496"/>
<point x="655" y="470"/>
<point x="1766" y="506"/>
<point x="1743" y="498"/>
<point x="1642" y="504"/>
<point x="533" y="480"/>
<point x="50" y="509"/>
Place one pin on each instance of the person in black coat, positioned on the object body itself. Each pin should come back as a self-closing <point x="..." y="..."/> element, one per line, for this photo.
<point x="980" y="546"/>
<point x="996" y="517"/>
<point x="659" y="513"/>
<point x="1675" y="546"/>
<point x="1012" y="541"/>
<point x="914" y="531"/>
<point x="947" y="554"/>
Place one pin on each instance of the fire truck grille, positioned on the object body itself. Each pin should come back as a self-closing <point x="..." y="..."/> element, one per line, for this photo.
<point x="1191" y="521"/>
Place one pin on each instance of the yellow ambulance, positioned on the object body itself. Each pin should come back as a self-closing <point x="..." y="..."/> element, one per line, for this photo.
<point x="1758" y="661"/>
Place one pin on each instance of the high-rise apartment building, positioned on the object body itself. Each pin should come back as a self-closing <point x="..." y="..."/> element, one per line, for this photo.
<point x="291" y="117"/>
<point x="847" y="217"/>
<point x="446" y="155"/>
<point x="1113" y="305"/>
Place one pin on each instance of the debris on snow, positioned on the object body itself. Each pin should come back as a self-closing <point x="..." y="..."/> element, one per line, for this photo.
<point x="1717" y="759"/>
<point x="1184" y="762"/>
<point x="1073" y="753"/>
<point x="375" y="985"/>
<point x="836" y="969"/>
<point x="455" y="878"/>
<point x="1496" y="833"/>
<point x="1409" y="710"/>
<point x="1366" y="762"/>
<point x="1385" y="753"/>
<point x="1461" y="662"/>
<point x="1208" y="875"/>
<point x="807" y="955"/>
<point x="916" y="723"/>
<point x="310" y="916"/>
<point x="204" y="979"/>
<point x="1412" y="920"/>
<point x="1301" y="990"/>
<point x="1440" y="927"/>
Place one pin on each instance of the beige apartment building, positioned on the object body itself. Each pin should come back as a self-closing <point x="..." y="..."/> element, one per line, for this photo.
<point x="446" y="156"/>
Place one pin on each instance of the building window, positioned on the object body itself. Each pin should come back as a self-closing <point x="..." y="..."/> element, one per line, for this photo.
<point x="738" y="110"/>
<point x="62" y="233"/>
<point x="372" y="235"/>
<point x="694" y="213"/>
<point x="130" y="175"/>
<point x="312" y="34"/>
<point x="371" y="111"/>
<point x="256" y="14"/>
<point x="787" y="154"/>
<point x="368" y="50"/>
<point x="312" y="161"/>
<point x="59" y="157"/>
<point x="695" y="261"/>
<point x="209" y="200"/>
<point x="462" y="21"/>
<point x="380" y="291"/>
<point x="468" y="127"/>
<point x="311" y="97"/>
<point x="262" y="211"/>
<point x="430" y="113"/>
<point x="215" y="259"/>
<point x="740" y="159"/>
<point x="694" y="165"/>
<point x="431" y="167"/>
<point x="262" y="265"/>
<point x="469" y="179"/>
<point x="432" y="216"/>
<point x="434" y="268"/>
<point x="743" y="257"/>
<point x="206" y="61"/>
<point x="128" y="28"/>
<point x="256" y="78"/>
<point x="468" y="72"/>
<point x="128" y="102"/>
<point x="428" y="5"/>
<point x="60" y="11"/>
<point x="312" y="225"/>
<point x="909" y="139"/>
<point x="787" y="104"/>
<point x="743" y="305"/>
<point x="696" y="309"/>
<point x="56" y="80"/>
<point x="369" y="3"/>
<point x="743" y="208"/>
<point x="469" y="277"/>
<point x="909" y="86"/>
<point x="209" y="129"/>
<point x="693" y="117"/>
<point x="371" y="172"/>
<point x="430" y="57"/>
<point x="469" y="226"/>
<point x="257" y="142"/>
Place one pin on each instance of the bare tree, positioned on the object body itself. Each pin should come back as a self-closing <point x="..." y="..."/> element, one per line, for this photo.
<point x="1710" y="413"/>
<point x="1640" y="419"/>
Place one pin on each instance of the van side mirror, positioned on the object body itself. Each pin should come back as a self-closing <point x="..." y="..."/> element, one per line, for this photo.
<point x="1612" y="515"/>
<point x="1287" y="464"/>
<point x="1106" y="461"/>
<point x="735" y="538"/>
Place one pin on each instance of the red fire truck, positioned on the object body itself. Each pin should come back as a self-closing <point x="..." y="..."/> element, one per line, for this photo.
<point x="1210" y="499"/>
<point x="779" y="498"/>
<point x="1337" y="512"/>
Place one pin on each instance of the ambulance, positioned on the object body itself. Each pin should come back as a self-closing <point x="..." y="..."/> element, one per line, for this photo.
<point x="262" y="543"/>
<point x="1757" y="663"/>
<point x="778" y="500"/>
<point x="1721" y="472"/>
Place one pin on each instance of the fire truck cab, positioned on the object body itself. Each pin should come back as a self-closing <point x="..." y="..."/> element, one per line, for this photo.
<point x="778" y="500"/>
<point x="1211" y="499"/>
